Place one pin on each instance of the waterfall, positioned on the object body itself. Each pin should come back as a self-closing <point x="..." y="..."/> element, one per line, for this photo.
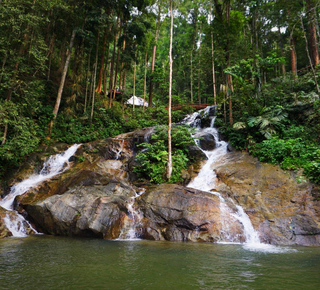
<point x="129" y="230"/>
<point x="206" y="181"/>
<point x="53" y="166"/>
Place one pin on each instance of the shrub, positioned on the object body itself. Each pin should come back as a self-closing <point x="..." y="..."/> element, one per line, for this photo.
<point x="152" y="160"/>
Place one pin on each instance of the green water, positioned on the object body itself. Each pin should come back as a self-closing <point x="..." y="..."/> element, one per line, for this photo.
<point x="44" y="262"/>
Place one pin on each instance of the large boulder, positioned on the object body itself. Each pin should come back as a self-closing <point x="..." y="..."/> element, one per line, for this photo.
<point x="95" y="210"/>
<point x="206" y="140"/>
<point x="177" y="213"/>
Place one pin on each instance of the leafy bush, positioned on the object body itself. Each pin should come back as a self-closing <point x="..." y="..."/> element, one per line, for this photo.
<point x="152" y="160"/>
<point x="21" y="139"/>
<point x="291" y="154"/>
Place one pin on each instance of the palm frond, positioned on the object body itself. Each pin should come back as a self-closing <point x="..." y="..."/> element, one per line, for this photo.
<point x="239" y="125"/>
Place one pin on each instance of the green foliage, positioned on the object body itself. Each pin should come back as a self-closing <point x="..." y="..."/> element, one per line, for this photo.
<point x="152" y="160"/>
<point x="22" y="138"/>
<point x="71" y="129"/>
<point x="269" y="122"/>
<point x="291" y="154"/>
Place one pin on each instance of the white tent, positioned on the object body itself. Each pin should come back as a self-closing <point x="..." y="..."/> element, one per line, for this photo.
<point x="137" y="101"/>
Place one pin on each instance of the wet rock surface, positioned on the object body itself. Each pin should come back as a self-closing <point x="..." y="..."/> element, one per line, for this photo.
<point x="96" y="210"/>
<point x="283" y="211"/>
<point x="178" y="213"/>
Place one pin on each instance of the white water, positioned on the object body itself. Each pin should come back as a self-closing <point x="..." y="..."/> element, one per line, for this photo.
<point x="119" y="150"/>
<point x="206" y="180"/>
<point x="129" y="230"/>
<point x="17" y="225"/>
<point x="53" y="166"/>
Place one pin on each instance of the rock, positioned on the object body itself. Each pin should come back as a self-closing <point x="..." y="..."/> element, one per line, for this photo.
<point x="177" y="213"/>
<point x="271" y="198"/>
<point x="206" y="141"/>
<point x="95" y="210"/>
<point x="4" y="231"/>
<point x="13" y="223"/>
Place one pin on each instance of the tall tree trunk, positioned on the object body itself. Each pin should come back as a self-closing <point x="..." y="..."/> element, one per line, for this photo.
<point x="99" y="85"/>
<point x="283" y="67"/>
<point x="191" y="78"/>
<point x="154" y="55"/>
<point x="228" y="60"/>
<point x="293" y="57"/>
<point x="213" y="72"/>
<point x="117" y="67"/>
<point x="134" y="81"/>
<point x="314" y="53"/>
<point x="169" y="166"/>
<point x="105" y="74"/>
<point x="191" y="60"/>
<point x="4" y="137"/>
<point x="112" y="64"/>
<point x="87" y="83"/>
<point x="62" y="81"/>
<point x="124" y="80"/>
<point x="199" y="69"/>
<point x="95" y="77"/>
<point x="309" y="57"/>
<point x="122" y="64"/>
<point x="145" y="79"/>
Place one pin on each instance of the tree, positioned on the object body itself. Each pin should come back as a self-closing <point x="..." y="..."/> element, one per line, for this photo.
<point x="159" y="3"/>
<point x="314" y="51"/>
<point x="63" y="79"/>
<point x="169" y="167"/>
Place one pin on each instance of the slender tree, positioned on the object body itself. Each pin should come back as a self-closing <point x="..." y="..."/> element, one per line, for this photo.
<point x="62" y="81"/>
<point x="154" y="52"/>
<point x="314" y="51"/>
<point x="169" y="166"/>
<point x="99" y="85"/>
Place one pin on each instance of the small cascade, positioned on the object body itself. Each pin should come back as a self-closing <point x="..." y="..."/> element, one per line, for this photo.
<point x="250" y="234"/>
<point x="194" y="120"/>
<point x="129" y="231"/>
<point x="206" y="181"/>
<point x="148" y="134"/>
<point x="17" y="225"/>
<point x="53" y="166"/>
<point x="119" y="150"/>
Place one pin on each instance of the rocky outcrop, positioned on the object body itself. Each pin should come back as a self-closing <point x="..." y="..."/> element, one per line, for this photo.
<point x="14" y="223"/>
<point x="283" y="211"/>
<point x="177" y="213"/>
<point x="4" y="231"/>
<point x="95" y="210"/>
<point x="206" y="141"/>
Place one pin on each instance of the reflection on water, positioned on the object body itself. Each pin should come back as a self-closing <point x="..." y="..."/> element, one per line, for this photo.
<point x="45" y="262"/>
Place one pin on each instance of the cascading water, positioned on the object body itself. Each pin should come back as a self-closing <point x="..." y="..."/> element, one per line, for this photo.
<point x="119" y="150"/>
<point x="53" y="166"/>
<point x="129" y="231"/>
<point x="206" y="181"/>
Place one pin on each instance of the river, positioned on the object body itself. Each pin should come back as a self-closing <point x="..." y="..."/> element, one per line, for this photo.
<point x="48" y="262"/>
